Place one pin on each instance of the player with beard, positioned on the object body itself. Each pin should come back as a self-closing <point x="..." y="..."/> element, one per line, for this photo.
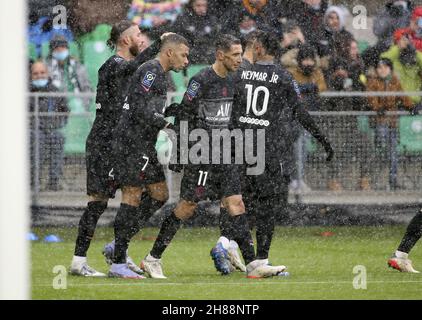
<point x="113" y="80"/>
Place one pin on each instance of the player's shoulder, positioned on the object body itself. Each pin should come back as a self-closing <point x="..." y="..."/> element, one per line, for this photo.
<point x="148" y="73"/>
<point x="198" y="81"/>
<point x="152" y="66"/>
<point x="111" y="63"/>
<point x="203" y="75"/>
<point x="283" y="72"/>
<point x="245" y="65"/>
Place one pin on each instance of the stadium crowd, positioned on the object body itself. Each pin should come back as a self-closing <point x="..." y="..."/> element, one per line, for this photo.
<point x="317" y="49"/>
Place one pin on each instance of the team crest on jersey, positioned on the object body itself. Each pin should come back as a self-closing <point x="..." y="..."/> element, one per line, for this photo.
<point x="193" y="89"/>
<point x="148" y="80"/>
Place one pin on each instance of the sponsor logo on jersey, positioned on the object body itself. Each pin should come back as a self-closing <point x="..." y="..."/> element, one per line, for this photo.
<point x="192" y="90"/>
<point x="98" y="106"/>
<point x="148" y="80"/>
<point x="224" y="110"/>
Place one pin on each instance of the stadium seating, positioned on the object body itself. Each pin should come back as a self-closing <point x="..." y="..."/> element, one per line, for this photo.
<point x="32" y="51"/>
<point x="95" y="53"/>
<point x="362" y="45"/>
<point x="94" y="50"/>
<point x="77" y="128"/>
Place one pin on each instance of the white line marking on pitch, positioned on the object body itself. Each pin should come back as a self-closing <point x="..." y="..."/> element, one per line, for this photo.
<point x="255" y="282"/>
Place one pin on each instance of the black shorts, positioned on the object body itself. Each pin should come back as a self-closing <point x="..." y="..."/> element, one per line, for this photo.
<point x="211" y="181"/>
<point x="138" y="169"/>
<point x="272" y="182"/>
<point x="99" y="170"/>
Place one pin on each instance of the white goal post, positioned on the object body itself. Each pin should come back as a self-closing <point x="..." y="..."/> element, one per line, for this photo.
<point x="14" y="173"/>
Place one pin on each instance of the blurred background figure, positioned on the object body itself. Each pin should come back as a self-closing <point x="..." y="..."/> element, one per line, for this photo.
<point x="334" y="36"/>
<point x="67" y="73"/>
<point x="414" y="30"/>
<point x="407" y="62"/>
<point x="386" y="134"/>
<point x="309" y="77"/>
<point x="248" y="15"/>
<point x="47" y="130"/>
<point x="155" y="16"/>
<point x="394" y="15"/>
<point x="311" y="82"/>
<point x="309" y="15"/>
<point x="41" y="29"/>
<point x="200" y="28"/>
<point x="291" y="40"/>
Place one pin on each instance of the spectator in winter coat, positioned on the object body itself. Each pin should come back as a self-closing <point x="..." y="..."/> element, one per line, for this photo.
<point x="394" y="15"/>
<point x="309" y="14"/>
<point x="386" y="135"/>
<point x="48" y="116"/>
<point x="292" y="39"/>
<point x="414" y="31"/>
<point x="67" y="73"/>
<point x="309" y="77"/>
<point x="334" y="34"/>
<point x="201" y="30"/>
<point x="407" y="62"/>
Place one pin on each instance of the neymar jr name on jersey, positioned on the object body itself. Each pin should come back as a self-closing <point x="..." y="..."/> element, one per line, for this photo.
<point x="259" y="76"/>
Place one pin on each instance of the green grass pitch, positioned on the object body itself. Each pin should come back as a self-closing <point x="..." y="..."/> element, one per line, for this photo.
<point x="320" y="267"/>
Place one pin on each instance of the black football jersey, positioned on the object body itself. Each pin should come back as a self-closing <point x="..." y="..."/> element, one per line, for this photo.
<point x="113" y="81"/>
<point x="208" y="100"/>
<point x="143" y="109"/>
<point x="266" y="97"/>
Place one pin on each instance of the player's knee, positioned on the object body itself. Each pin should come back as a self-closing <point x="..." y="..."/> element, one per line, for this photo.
<point x="234" y="205"/>
<point x="159" y="192"/>
<point x="184" y="210"/>
<point x="131" y="196"/>
<point x="98" y="198"/>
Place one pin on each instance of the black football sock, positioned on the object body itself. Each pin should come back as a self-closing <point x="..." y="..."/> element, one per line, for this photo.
<point x="124" y="225"/>
<point x="87" y="225"/>
<point x="224" y="223"/>
<point x="145" y="211"/>
<point x="241" y="233"/>
<point x="168" y="230"/>
<point x="413" y="233"/>
<point x="267" y="210"/>
<point x="265" y="221"/>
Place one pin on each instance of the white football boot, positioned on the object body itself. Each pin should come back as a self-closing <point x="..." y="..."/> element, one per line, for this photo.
<point x="80" y="267"/>
<point x="234" y="256"/>
<point x="403" y="264"/>
<point x="260" y="269"/>
<point x="152" y="267"/>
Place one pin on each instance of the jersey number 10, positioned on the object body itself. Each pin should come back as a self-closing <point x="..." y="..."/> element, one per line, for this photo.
<point x="252" y="97"/>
